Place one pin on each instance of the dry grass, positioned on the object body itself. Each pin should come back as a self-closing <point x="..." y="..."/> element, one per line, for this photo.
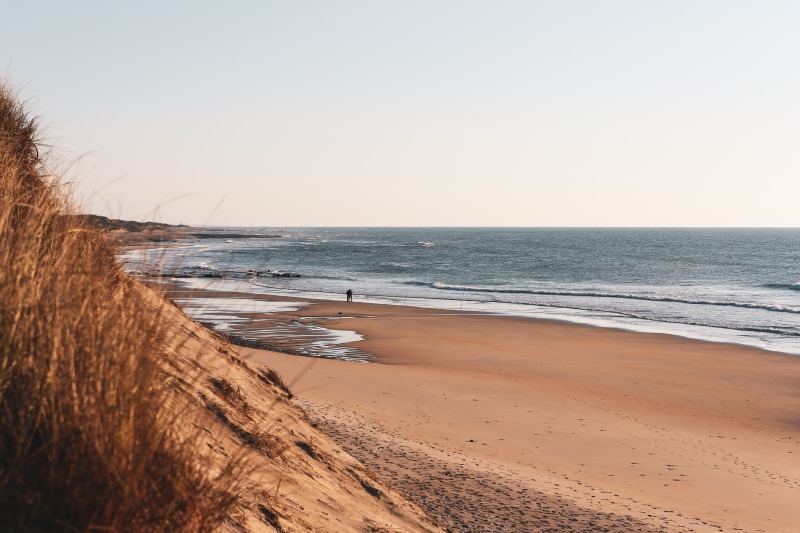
<point x="230" y="392"/>
<point x="268" y="375"/>
<point x="87" y="439"/>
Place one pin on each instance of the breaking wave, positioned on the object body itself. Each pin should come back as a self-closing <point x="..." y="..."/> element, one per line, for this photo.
<point x="791" y="286"/>
<point x="627" y="296"/>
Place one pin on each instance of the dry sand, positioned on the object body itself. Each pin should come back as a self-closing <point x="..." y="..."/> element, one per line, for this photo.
<point x="503" y="424"/>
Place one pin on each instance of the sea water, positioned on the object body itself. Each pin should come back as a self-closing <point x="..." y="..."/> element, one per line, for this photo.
<point x="725" y="285"/>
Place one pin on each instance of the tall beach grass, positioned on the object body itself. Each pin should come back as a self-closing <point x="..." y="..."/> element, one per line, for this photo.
<point x="88" y="439"/>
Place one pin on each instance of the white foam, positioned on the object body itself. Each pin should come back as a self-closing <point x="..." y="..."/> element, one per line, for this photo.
<point x="205" y="306"/>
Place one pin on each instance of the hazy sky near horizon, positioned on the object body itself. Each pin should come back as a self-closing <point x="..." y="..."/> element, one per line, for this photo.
<point x="420" y="113"/>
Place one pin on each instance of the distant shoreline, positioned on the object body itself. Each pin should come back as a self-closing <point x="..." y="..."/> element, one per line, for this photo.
<point x="134" y="232"/>
<point x="655" y="282"/>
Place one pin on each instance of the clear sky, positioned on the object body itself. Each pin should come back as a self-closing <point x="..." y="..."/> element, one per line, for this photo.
<point x="420" y="113"/>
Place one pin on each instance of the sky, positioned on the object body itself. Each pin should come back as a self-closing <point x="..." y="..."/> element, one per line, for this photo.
<point x="418" y="113"/>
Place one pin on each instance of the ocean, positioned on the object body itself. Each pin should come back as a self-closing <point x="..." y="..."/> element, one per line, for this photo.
<point x="725" y="285"/>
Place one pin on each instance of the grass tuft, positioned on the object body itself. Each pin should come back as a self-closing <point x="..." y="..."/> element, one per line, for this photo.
<point x="230" y="392"/>
<point x="272" y="377"/>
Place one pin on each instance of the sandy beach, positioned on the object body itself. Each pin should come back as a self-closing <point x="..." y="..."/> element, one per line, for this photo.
<point x="497" y="424"/>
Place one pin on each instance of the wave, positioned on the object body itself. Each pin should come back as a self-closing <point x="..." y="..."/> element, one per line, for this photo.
<point x="788" y="332"/>
<point x="426" y="244"/>
<point x="208" y="265"/>
<point x="627" y="296"/>
<point x="791" y="286"/>
<point x="753" y="329"/>
<point x="398" y="265"/>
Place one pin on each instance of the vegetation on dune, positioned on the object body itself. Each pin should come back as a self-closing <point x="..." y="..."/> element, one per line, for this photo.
<point x="87" y="439"/>
<point x="111" y="224"/>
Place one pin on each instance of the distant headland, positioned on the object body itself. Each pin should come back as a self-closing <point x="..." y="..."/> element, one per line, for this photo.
<point x="159" y="231"/>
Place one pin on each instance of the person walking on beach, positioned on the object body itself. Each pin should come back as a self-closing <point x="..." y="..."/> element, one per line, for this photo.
<point x="349" y="295"/>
